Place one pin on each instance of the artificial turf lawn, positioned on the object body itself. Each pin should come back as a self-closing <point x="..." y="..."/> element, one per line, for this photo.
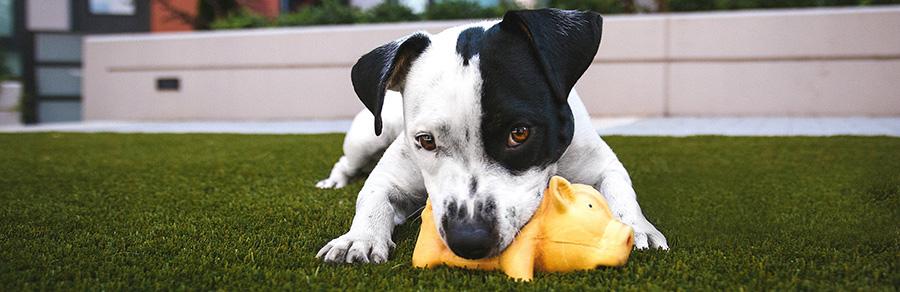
<point x="238" y="212"/>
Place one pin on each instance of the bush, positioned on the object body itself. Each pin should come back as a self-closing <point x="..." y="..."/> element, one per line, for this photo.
<point x="5" y="73"/>
<point x="390" y="11"/>
<point x="457" y="9"/>
<point x="334" y="12"/>
<point x="705" y="5"/>
<point x="209" y="11"/>
<point x="601" y="6"/>
<point x="501" y="8"/>
<point x="243" y="19"/>
<point x="329" y="12"/>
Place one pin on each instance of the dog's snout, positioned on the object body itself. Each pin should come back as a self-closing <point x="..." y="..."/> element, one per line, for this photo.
<point x="471" y="239"/>
<point x="470" y="234"/>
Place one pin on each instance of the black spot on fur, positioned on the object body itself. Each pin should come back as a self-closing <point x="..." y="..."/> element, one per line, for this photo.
<point x="468" y="43"/>
<point x="385" y="68"/>
<point x="529" y="64"/>
<point x="473" y="186"/>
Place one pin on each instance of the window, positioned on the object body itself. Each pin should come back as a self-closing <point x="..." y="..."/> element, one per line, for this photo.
<point x="112" y="7"/>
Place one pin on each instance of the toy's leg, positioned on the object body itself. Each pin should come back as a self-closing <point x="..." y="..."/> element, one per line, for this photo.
<point x="517" y="261"/>
<point x="393" y="191"/>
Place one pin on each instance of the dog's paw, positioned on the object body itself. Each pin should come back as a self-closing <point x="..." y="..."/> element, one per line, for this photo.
<point x="356" y="248"/>
<point x="330" y="183"/>
<point x="646" y="236"/>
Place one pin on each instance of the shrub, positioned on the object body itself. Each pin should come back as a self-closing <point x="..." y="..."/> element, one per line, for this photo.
<point x="209" y="11"/>
<point x="390" y="11"/>
<point x="501" y="8"/>
<point x="5" y="73"/>
<point x="705" y="5"/>
<point x="456" y="9"/>
<point x="243" y="19"/>
<point x="328" y="12"/>
<point x="601" y="6"/>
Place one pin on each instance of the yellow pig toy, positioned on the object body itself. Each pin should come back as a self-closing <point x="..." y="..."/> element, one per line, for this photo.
<point x="572" y="229"/>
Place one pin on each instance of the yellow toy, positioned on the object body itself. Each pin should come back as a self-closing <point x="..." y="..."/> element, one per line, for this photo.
<point x="572" y="229"/>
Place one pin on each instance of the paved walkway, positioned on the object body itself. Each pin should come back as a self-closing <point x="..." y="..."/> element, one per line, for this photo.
<point x="860" y="126"/>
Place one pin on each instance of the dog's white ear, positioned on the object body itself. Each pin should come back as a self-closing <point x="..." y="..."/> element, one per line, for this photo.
<point x="385" y="68"/>
<point x="564" y="42"/>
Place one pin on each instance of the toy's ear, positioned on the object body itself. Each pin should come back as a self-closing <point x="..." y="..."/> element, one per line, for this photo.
<point x="562" y="192"/>
<point x="385" y="68"/>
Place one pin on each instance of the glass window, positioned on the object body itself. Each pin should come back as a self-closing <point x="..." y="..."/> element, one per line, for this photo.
<point x="53" y="111"/>
<point x="112" y="7"/>
<point x="56" y="81"/>
<point x="6" y="18"/>
<point x="57" y="48"/>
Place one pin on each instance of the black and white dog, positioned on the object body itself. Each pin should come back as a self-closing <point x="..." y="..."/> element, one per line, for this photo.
<point x="478" y="117"/>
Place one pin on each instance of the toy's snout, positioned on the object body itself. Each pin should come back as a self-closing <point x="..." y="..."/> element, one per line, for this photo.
<point x="617" y="243"/>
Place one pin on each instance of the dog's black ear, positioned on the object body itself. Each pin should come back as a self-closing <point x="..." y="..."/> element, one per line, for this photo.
<point x="385" y="68"/>
<point x="564" y="42"/>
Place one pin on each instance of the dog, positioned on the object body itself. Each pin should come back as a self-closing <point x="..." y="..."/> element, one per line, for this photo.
<point x="478" y="118"/>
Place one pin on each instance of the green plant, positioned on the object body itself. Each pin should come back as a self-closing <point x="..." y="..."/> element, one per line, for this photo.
<point x="243" y="19"/>
<point x="5" y="72"/>
<point x="328" y="12"/>
<point x="456" y="9"/>
<point x="501" y="8"/>
<point x="705" y="5"/>
<point x="601" y="6"/>
<point x="390" y="11"/>
<point x="209" y="11"/>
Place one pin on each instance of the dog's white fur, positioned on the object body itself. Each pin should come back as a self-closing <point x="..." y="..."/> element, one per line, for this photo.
<point x="441" y="93"/>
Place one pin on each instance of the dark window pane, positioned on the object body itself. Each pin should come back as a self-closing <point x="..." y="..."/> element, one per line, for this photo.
<point x="58" y="81"/>
<point x="57" y="48"/>
<point x="59" y="111"/>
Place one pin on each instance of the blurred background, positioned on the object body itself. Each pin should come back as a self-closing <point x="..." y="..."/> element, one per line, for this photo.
<point x="271" y="60"/>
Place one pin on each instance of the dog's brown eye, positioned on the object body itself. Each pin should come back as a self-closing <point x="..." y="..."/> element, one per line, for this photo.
<point x="517" y="136"/>
<point x="426" y="141"/>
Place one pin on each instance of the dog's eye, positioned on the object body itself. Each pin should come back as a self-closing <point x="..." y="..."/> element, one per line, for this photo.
<point x="590" y="206"/>
<point x="517" y="136"/>
<point x="426" y="141"/>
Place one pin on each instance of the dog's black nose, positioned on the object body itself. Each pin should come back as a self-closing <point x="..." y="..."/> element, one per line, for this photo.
<point x="470" y="239"/>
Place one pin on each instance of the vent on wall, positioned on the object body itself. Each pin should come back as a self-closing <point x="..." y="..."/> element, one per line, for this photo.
<point x="168" y="84"/>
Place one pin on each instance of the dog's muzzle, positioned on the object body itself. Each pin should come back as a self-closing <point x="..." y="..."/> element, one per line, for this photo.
<point x="470" y="237"/>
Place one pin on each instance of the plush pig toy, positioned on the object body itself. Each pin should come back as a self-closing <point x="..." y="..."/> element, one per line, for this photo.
<point x="572" y="229"/>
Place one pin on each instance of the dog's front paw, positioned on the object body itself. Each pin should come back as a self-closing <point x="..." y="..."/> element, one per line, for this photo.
<point x="331" y="183"/>
<point x="646" y="236"/>
<point x="356" y="248"/>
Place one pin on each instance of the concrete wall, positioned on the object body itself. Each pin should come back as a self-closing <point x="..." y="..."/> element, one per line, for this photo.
<point x="788" y="62"/>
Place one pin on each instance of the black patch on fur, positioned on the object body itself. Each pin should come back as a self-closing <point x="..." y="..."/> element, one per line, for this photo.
<point x="385" y="68"/>
<point x="468" y="43"/>
<point x="529" y="64"/>
<point x="473" y="186"/>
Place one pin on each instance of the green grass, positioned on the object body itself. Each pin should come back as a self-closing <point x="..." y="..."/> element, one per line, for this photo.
<point x="238" y="212"/>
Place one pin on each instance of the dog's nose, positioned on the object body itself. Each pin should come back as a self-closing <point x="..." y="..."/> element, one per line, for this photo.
<point x="470" y="239"/>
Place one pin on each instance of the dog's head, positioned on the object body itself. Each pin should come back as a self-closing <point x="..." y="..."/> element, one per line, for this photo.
<point x="486" y="114"/>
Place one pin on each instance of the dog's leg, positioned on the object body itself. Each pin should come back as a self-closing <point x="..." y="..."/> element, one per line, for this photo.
<point x="362" y="147"/>
<point x="596" y="164"/>
<point x="392" y="192"/>
<point x="615" y="185"/>
<point x="589" y="160"/>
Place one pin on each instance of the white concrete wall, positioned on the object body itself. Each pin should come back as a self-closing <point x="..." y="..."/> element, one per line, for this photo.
<point x="788" y="62"/>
